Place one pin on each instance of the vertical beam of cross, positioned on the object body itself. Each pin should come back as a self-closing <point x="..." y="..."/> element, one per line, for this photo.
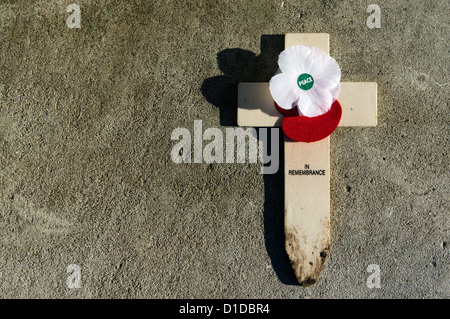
<point x="307" y="196"/>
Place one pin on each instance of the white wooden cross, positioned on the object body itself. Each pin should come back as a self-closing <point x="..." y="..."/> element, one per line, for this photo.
<point x="307" y="197"/>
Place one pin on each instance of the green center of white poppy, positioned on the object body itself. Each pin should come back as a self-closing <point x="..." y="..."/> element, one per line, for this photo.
<point x="305" y="81"/>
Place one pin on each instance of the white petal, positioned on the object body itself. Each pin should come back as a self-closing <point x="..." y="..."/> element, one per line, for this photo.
<point x="329" y="78"/>
<point x="335" y="91"/>
<point x="321" y="100"/>
<point x="330" y="70"/>
<point x="319" y="64"/>
<point x="294" y="60"/>
<point x="284" y="91"/>
<point x="325" y="83"/>
<point x="316" y="51"/>
<point x="305" y="106"/>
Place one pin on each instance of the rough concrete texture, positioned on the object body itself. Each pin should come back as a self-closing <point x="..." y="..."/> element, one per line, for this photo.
<point x="86" y="177"/>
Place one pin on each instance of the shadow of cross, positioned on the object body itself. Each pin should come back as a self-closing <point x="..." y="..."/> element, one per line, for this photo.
<point x="307" y="196"/>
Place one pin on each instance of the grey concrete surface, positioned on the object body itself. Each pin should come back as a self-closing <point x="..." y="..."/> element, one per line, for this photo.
<point x="86" y="175"/>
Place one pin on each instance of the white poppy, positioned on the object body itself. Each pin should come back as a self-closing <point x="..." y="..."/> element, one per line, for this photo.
<point x="307" y="79"/>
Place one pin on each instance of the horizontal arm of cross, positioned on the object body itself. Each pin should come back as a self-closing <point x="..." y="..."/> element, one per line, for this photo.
<point x="358" y="100"/>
